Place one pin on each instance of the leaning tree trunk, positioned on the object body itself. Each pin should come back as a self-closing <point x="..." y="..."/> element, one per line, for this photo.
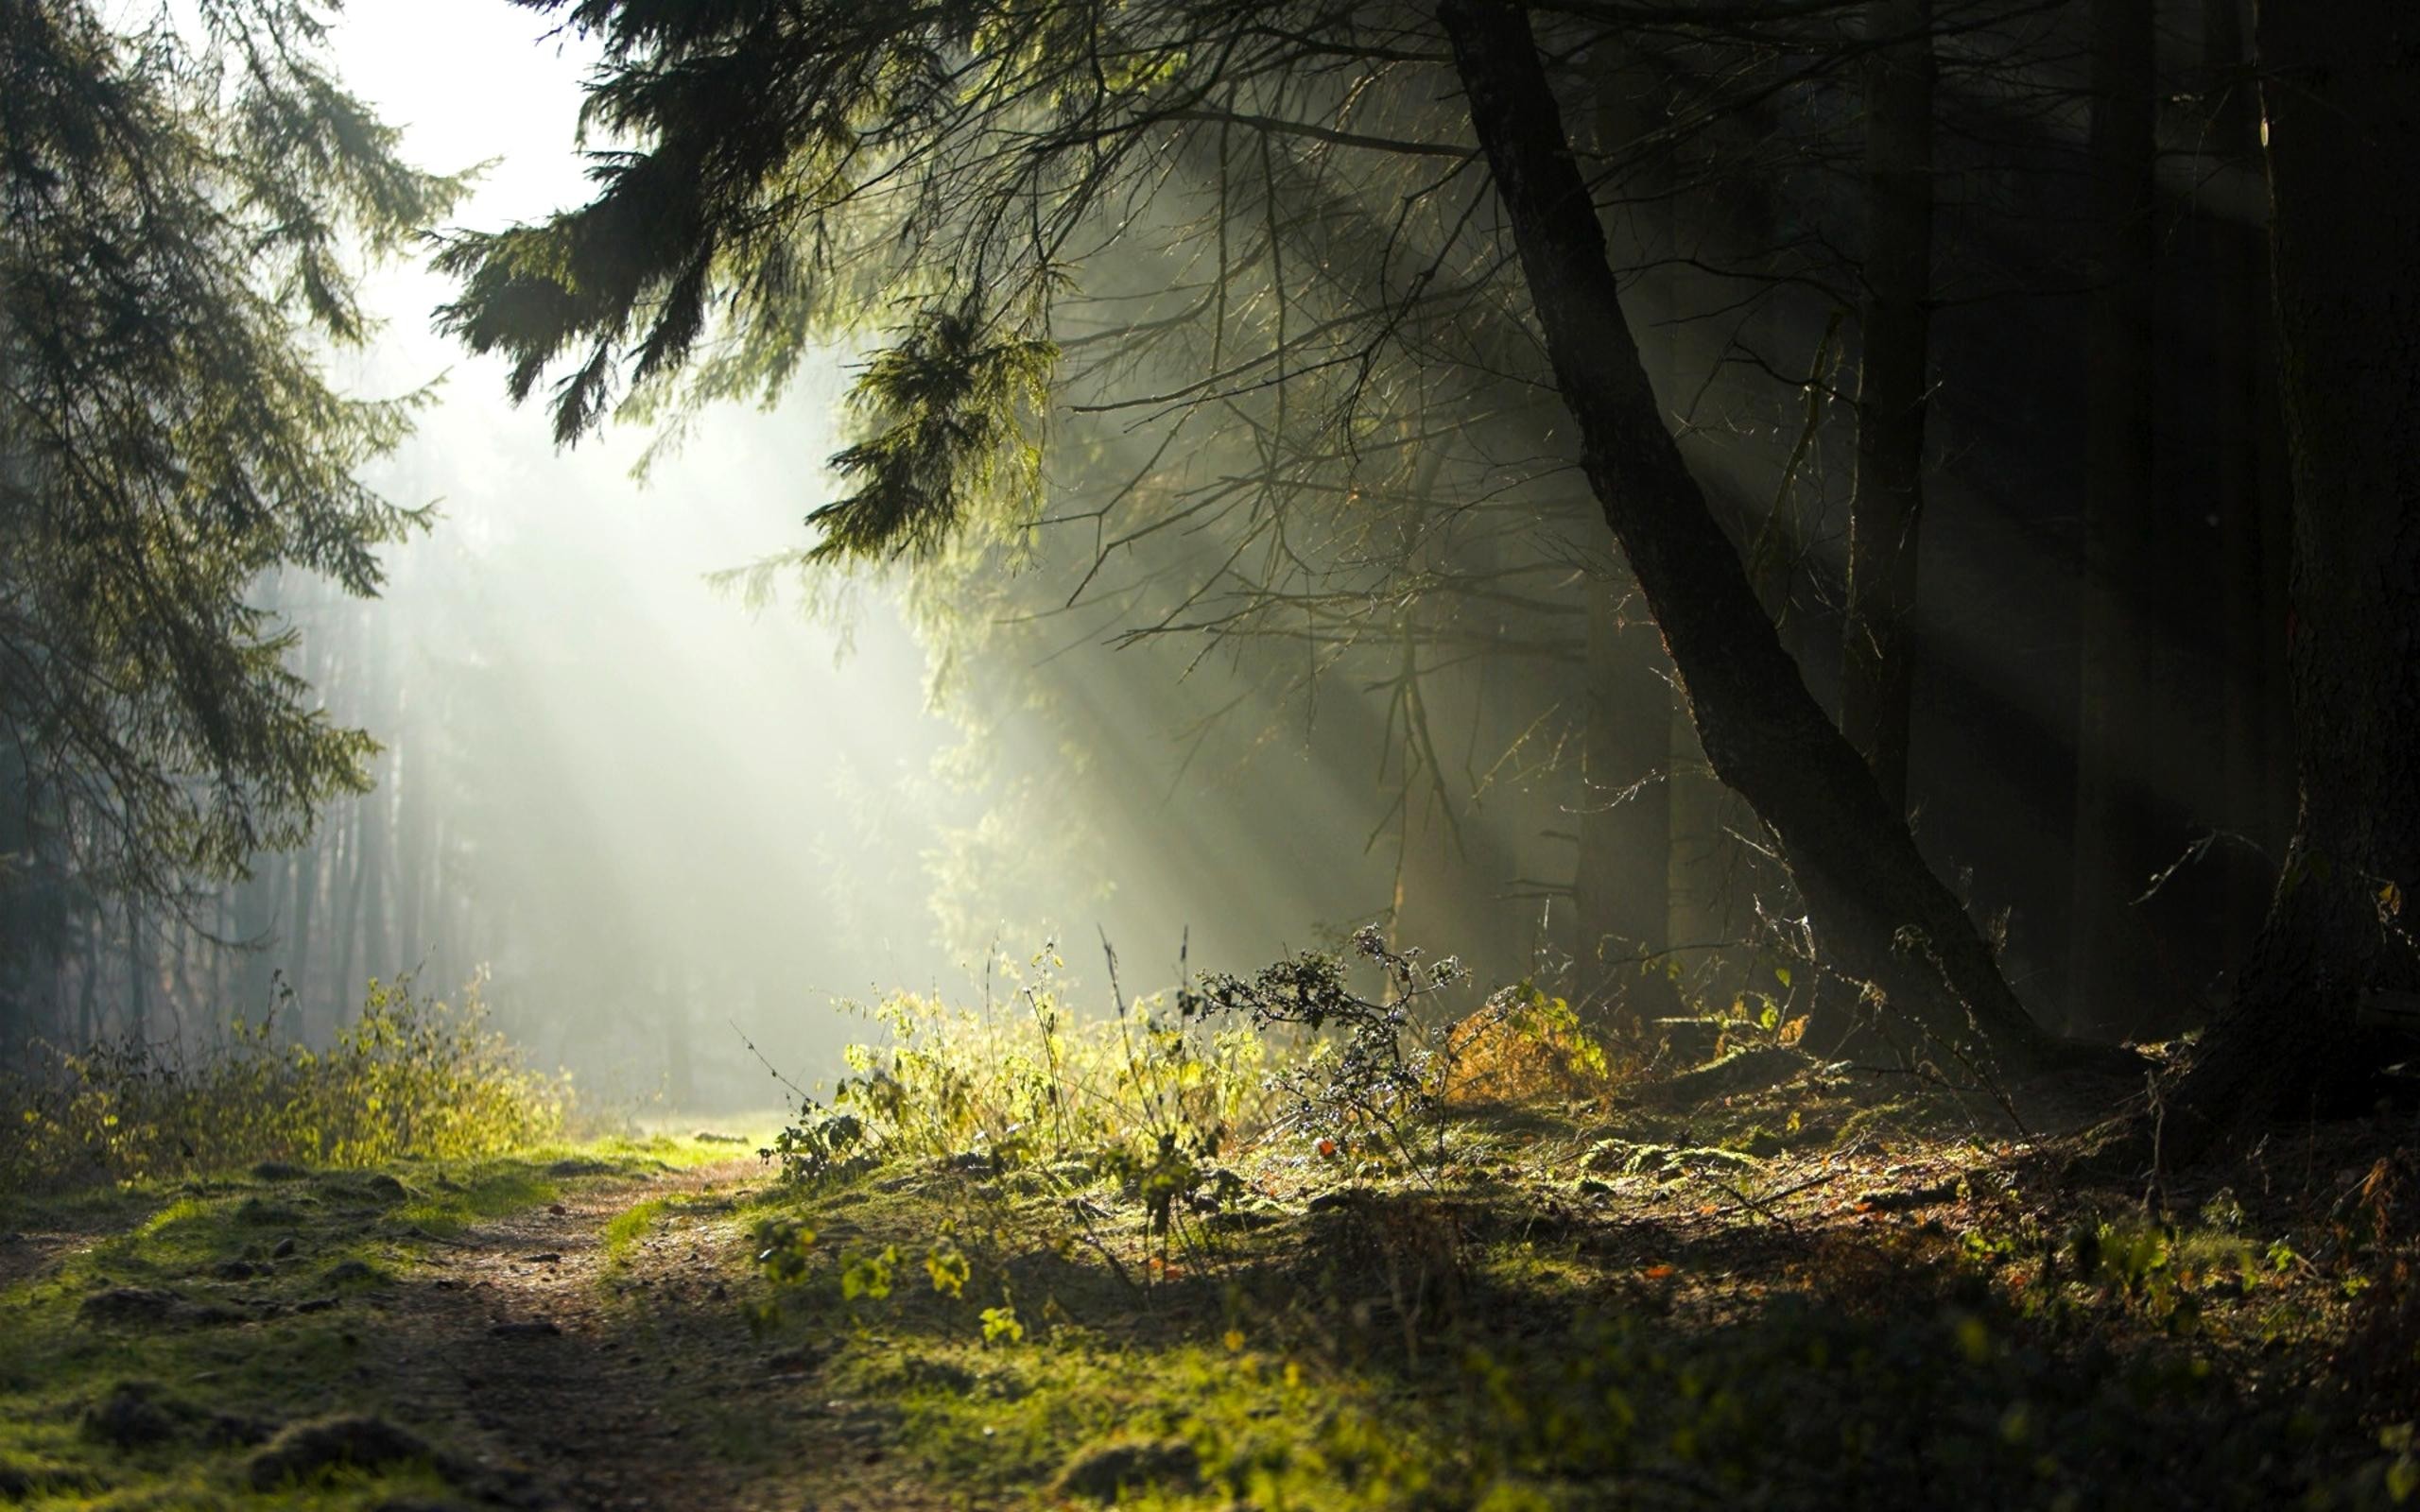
<point x="1877" y="671"/>
<point x="2343" y="158"/>
<point x="1878" y="913"/>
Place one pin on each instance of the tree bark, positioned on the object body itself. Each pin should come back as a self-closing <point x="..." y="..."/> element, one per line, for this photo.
<point x="1878" y="673"/>
<point x="2343" y="131"/>
<point x="1879" y="914"/>
<point x="2115" y="735"/>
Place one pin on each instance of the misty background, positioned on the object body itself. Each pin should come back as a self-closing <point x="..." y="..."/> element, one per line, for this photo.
<point x="667" y="819"/>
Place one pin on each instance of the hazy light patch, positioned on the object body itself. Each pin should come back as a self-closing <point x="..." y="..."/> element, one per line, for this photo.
<point x="655" y="802"/>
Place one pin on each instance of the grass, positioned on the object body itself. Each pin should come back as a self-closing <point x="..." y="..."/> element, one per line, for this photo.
<point x="1024" y="1262"/>
<point x="1620" y="1356"/>
<point x="1573" y="1292"/>
<point x="303" y="1262"/>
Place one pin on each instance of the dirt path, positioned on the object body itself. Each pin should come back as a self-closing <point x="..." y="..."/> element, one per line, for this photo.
<point x="602" y="1384"/>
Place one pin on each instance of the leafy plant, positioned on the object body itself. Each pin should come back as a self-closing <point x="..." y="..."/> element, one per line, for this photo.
<point x="412" y="1075"/>
<point x="1380" y="1074"/>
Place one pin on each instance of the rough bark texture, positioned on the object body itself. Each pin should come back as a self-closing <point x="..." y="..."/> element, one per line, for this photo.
<point x="2343" y="159"/>
<point x="2115" y="738"/>
<point x="1878" y="913"/>
<point x="1878" y="651"/>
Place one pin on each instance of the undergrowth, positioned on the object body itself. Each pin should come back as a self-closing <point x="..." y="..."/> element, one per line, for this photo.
<point x="1294" y="1240"/>
<point x="411" y="1076"/>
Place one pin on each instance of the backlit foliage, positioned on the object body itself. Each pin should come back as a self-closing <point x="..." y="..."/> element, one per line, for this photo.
<point x="178" y="206"/>
<point x="412" y="1077"/>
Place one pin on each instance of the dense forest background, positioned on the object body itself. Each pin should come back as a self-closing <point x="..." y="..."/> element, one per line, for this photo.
<point x="1305" y="618"/>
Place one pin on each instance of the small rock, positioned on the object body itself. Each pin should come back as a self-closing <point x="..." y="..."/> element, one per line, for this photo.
<point x="317" y="1304"/>
<point x="1608" y="1154"/>
<point x="227" y="1431"/>
<point x="545" y="1257"/>
<point x="535" y="1329"/>
<point x="236" y="1270"/>
<point x="1589" y="1186"/>
<point x="285" y="1248"/>
<point x="941" y="1375"/>
<point x="131" y="1304"/>
<point x="279" y="1171"/>
<point x="1105" y="1472"/>
<point x="309" y="1451"/>
<point x="23" y="1483"/>
<point x="133" y="1415"/>
<point x="1242" y="1220"/>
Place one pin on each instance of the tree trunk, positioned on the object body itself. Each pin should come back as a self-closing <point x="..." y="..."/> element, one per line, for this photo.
<point x="2252" y="529"/>
<point x="2116" y="736"/>
<point x="1877" y="671"/>
<point x="2343" y="129"/>
<point x="1621" y="887"/>
<point x="1878" y="913"/>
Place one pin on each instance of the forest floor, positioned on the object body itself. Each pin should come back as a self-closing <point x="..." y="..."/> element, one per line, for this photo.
<point x="1824" y="1293"/>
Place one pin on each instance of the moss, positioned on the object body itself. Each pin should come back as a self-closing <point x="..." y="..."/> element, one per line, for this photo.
<point x="140" y="1369"/>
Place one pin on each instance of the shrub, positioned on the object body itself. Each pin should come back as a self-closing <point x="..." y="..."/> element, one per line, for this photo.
<point x="1025" y="1080"/>
<point x="411" y="1076"/>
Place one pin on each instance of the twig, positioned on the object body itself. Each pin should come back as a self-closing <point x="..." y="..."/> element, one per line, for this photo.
<point x="796" y="1091"/>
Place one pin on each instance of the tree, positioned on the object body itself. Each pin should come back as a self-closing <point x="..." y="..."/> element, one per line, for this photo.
<point x="1895" y="381"/>
<point x="1881" y="913"/>
<point x="175" y="215"/>
<point x="2115" y="853"/>
<point x="804" y="167"/>
<point x="2342" y="155"/>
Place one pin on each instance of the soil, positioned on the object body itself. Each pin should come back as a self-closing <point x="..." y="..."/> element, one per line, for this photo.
<point x="566" y="1381"/>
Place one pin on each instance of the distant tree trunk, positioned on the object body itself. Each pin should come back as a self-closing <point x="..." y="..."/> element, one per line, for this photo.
<point x="255" y="923"/>
<point x="2343" y="159"/>
<point x="306" y="897"/>
<point x="1878" y="913"/>
<point x="417" y="853"/>
<point x="1621" y="887"/>
<point x="138" y="985"/>
<point x="1878" y="651"/>
<point x="2116" y="746"/>
<point x="1621" y="896"/>
<point x="2252" y="527"/>
<point x="349" y="926"/>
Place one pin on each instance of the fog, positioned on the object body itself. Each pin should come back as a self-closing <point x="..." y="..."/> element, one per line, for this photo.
<point x="669" y="819"/>
<point x="1315" y="674"/>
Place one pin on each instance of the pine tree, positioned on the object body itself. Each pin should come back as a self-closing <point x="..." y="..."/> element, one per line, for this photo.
<point x="180" y="211"/>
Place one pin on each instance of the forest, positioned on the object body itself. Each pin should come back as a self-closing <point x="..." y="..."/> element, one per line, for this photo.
<point x="1432" y="754"/>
